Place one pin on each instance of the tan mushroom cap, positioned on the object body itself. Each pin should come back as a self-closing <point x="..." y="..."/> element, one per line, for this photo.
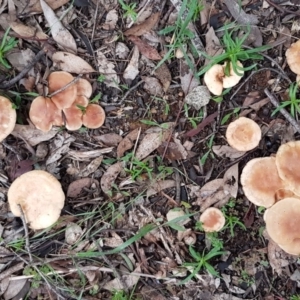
<point x="43" y="114"/>
<point x="84" y="88"/>
<point x="293" y="57"/>
<point x="212" y="219"/>
<point x="8" y="118"/>
<point x="282" y="223"/>
<point x="94" y="116"/>
<point x="233" y="79"/>
<point x="213" y="79"/>
<point x="288" y="164"/>
<point x="58" y="80"/>
<point x="243" y="134"/>
<point x="41" y="197"/>
<point x="74" y="114"/>
<point x="261" y="182"/>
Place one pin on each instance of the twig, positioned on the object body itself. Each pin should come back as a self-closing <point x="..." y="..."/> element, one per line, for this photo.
<point x="282" y="110"/>
<point x="27" y="244"/>
<point x="295" y="13"/>
<point x="66" y="86"/>
<point x="11" y="82"/>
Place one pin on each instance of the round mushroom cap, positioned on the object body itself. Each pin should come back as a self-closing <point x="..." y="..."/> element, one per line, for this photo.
<point x="43" y="114"/>
<point x="288" y="164"/>
<point x="94" y="116"/>
<point x="212" y="219"/>
<point x="261" y="182"/>
<point x="243" y="134"/>
<point x="8" y="118"/>
<point x="233" y="79"/>
<point x="213" y="79"/>
<point x="84" y="88"/>
<point x="57" y="81"/>
<point x="293" y="57"/>
<point x="282" y="223"/>
<point x="40" y="196"/>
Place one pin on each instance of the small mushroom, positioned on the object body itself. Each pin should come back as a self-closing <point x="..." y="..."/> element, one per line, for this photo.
<point x="243" y="134"/>
<point x="293" y="57"/>
<point x="261" y="182"/>
<point x="44" y="114"/>
<point x="282" y="223"/>
<point x="233" y="79"/>
<point x="212" y="219"/>
<point x="40" y="196"/>
<point x="8" y="117"/>
<point x="94" y="116"/>
<point x="58" y="80"/>
<point x="84" y="88"/>
<point x="288" y="164"/>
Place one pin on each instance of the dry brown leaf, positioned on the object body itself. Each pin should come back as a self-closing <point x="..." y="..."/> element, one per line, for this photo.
<point x="160" y="185"/>
<point x="109" y="139"/>
<point x="111" y="20"/>
<point x="140" y="29"/>
<point x="71" y="63"/>
<point x="60" y="34"/>
<point x="32" y="135"/>
<point x="25" y="31"/>
<point x="152" y="141"/>
<point x="128" y="142"/>
<point x="17" y="289"/>
<point x="26" y="7"/>
<point x="227" y="151"/>
<point x="164" y="76"/>
<point x="231" y="180"/>
<point x="132" y="70"/>
<point x="251" y="98"/>
<point x="153" y="86"/>
<point x="87" y="155"/>
<point x="122" y="50"/>
<point x="109" y="177"/>
<point x="146" y="50"/>
<point x="114" y="241"/>
<point x="73" y="233"/>
<point x="187" y="78"/>
<point x="213" y="45"/>
<point x="91" y="167"/>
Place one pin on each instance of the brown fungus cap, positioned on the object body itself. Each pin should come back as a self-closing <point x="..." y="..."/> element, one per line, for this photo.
<point x="84" y="88"/>
<point x="293" y="57"/>
<point x="212" y="219"/>
<point x="43" y="114"/>
<point x="213" y="79"/>
<point x="41" y="197"/>
<point x="243" y="134"/>
<point x="261" y="182"/>
<point x="94" y="116"/>
<point x="282" y="223"/>
<point x="8" y="117"/>
<point x="288" y="164"/>
<point x="58" y="80"/>
<point x="233" y="78"/>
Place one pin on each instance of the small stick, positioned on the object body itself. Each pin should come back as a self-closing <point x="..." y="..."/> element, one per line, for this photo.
<point x="282" y="110"/>
<point x="27" y="244"/>
<point x="66" y="86"/>
<point x="8" y="84"/>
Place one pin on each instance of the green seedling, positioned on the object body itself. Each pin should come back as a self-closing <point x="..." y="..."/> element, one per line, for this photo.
<point x="6" y="45"/>
<point x="193" y="120"/>
<point x="201" y="262"/>
<point x="234" y="52"/>
<point x="232" y="222"/>
<point x="101" y="78"/>
<point x="292" y="103"/>
<point x="295" y="297"/>
<point x="129" y="10"/>
<point x="229" y="115"/>
<point x="203" y="159"/>
<point x="245" y="277"/>
<point x="216" y="242"/>
<point x="261" y="209"/>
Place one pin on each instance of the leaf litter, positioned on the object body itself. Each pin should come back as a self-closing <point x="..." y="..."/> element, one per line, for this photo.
<point x="128" y="182"/>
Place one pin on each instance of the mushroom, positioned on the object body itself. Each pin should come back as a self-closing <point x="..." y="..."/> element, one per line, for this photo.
<point x="282" y="224"/>
<point x="216" y="80"/>
<point x="40" y="196"/>
<point x="261" y="182"/>
<point x="293" y="57"/>
<point x="84" y="88"/>
<point x="58" y="80"/>
<point x="94" y="116"/>
<point x="44" y="114"/>
<point x="243" y="134"/>
<point x="288" y="164"/>
<point x="212" y="219"/>
<point x="8" y="117"/>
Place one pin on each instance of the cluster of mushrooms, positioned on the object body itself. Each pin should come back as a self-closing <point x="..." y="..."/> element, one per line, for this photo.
<point x="67" y="103"/>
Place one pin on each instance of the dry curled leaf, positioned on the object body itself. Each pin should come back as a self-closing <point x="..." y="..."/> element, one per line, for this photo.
<point x="75" y="188"/>
<point x="160" y="185"/>
<point x="153" y="86"/>
<point x="227" y="151"/>
<point x="109" y="139"/>
<point x="109" y="177"/>
<point x="147" y="50"/>
<point x="128" y="142"/>
<point x="187" y="77"/>
<point x="29" y="7"/>
<point x="231" y="180"/>
<point x="147" y="25"/>
<point x="111" y="20"/>
<point x="132" y="70"/>
<point x="71" y="63"/>
<point x="164" y="76"/>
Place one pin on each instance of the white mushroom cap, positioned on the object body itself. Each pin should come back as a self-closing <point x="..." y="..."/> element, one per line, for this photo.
<point x="8" y="117"/>
<point x="293" y="57"/>
<point x="41" y="197"/>
<point x="233" y="79"/>
<point x="213" y="79"/>
<point x="212" y="219"/>
<point x="243" y="134"/>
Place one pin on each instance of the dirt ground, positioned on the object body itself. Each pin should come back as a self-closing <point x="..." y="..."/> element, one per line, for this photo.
<point x="135" y="187"/>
